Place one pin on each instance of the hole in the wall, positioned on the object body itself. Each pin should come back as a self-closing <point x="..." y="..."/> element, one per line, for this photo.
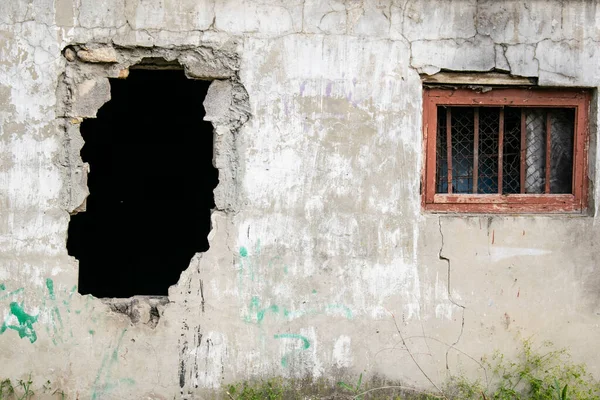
<point x="151" y="186"/>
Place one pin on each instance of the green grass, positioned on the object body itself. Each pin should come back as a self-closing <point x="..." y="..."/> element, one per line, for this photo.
<point x="23" y="390"/>
<point x="537" y="373"/>
<point x="541" y="373"/>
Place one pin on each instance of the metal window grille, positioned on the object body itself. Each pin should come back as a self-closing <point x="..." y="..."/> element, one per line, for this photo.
<point x="504" y="150"/>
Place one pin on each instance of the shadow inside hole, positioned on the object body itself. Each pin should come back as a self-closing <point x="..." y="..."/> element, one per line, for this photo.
<point x="151" y="185"/>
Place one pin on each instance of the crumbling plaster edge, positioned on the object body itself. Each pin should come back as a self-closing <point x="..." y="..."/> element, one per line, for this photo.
<point x="84" y="88"/>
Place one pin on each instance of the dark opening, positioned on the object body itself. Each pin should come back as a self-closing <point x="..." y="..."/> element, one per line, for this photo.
<point x="151" y="186"/>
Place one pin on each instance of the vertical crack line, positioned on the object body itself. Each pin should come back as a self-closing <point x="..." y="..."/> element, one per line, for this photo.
<point x="302" y="22"/>
<point x="443" y="258"/>
<point x="476" y="18"/>
<point x="213" y="24"/>
<point x="202" y="294"/>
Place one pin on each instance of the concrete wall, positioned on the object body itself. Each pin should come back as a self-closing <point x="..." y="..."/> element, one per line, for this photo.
<point x="319" y="237"/>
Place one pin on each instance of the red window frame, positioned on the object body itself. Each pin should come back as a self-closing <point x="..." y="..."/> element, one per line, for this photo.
<point x="576" y="201"/>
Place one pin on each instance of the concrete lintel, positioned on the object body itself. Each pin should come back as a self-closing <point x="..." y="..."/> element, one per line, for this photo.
<point x="477" y="78"/>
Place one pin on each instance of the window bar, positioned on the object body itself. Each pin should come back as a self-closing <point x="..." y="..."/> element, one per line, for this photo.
<point x="476" y="150"/>
<point x="449" y="147"/>
<point x="523" y="148"/>
<point x="548" y="146"/>
<point x="500" y="150"/>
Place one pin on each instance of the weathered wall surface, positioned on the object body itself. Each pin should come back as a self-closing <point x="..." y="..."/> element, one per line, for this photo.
<point x="318" y="238"/>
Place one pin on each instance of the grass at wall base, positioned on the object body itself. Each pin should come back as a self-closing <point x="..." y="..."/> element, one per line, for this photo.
<point x="538" y="373"/>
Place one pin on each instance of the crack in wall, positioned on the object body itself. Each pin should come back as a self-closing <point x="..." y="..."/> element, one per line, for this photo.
<point x="450" y="298"/>
<point x="479" y="20"/>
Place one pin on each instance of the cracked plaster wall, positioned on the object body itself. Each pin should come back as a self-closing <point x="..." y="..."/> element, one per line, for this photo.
<point x="325" y="238"/>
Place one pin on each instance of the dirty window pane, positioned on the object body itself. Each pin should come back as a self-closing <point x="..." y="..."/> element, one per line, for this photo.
<point x="511" y="155"/>
<point x="489" y="120"/>
<point x="561" y="161"/>
<point x="441" y="158"/>
<point x="535" y="159"/>
<point x="462" y="151"/>
<point x="531" y="170"/>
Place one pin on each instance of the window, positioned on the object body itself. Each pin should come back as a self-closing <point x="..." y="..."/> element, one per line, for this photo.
<point x="505" y="150"/>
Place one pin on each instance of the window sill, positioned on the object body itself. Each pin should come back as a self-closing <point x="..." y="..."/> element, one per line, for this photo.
<point x="512" y="203"/>
<point x="505" y="204"/>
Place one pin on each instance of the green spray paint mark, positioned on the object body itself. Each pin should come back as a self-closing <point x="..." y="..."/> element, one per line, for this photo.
<point x="91" y="331"/>
<point x="2" y="286"/>
<point x="273" y="260"/>
<point x="243" y="255"/>
<point x="10" y="294"/>
<point x="339" y="308"/>
<point x="293" y="314"/>
<point x="67" y="302"/>
<point x="261" y="314"/>
<point x="257" y="247"/>
<point x="303" y="339"/>
<point x="255" y="310"/>
<point x="26" y="321"/>
<point x="56" y="318"/>
<point x="104" y="383"/>
<point x="50" y="286"/>
<point x="314" y="291"/>
<point x="252" y="308"/>
<point x="250" y="264"/>
<point x="285" y="269"/>
<point x="249" y="268"/>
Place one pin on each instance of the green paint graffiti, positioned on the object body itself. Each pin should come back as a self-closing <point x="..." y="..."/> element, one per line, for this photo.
<point x="11" y="294"/>
<point x="67" y="302"/>
<point x="55" y="320"/>
<point x="247" y="263"/>
<point x="257" y="248"/>
<point x="243" y="257"/>
<point x="339" y="308"/>
<point x="257" y="313"/>
<point x="293" y="314"/>
<point x="50" y="286"/>
<point x="26" y="321"/>
<point x="104" y="382"/>
<point x="258" y="276"/>
<point x="250" y="271"/>
<point x="303" y="339"/>
<point x="56" y="305"/>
